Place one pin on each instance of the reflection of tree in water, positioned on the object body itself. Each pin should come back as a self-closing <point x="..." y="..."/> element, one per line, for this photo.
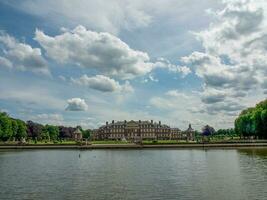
<point x="262" y="152"/>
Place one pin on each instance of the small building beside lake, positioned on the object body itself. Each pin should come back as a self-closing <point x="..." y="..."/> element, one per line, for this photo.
<point x="77" y="134"/>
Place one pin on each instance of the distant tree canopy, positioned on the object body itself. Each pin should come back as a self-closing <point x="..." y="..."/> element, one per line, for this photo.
<point x="87" y="133"/>
<point x="208" y="130"/>
<point x="17" y="129"/>
<point x="34" y="130"/>
<point x="227" y="132"/>
<point x="11" y="128"/>
<point x="66" y="132"/>
<point x="51" y="132"/>
<point x="253" y="121"/>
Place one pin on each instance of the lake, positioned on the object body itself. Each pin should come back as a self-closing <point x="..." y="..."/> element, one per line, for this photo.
<point x="134" y="174"/>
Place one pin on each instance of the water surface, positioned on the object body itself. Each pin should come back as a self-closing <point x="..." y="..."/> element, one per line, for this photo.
<point x="134" y="174"/>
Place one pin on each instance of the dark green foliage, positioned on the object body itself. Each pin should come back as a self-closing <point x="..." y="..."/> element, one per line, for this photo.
<point x="11" y="128"/>
<point x="6" y="131"/>
<point x="51" y="131"/>
<point x="252" y="122"/>
<point x="17" y="129"/>
<point x="34" y="130"/>
<point x="86" y="133"/>
<point x="65" y="132"/>
<point x="21" y="129"/>
<point x="208" y="130"/>
<point x="227" y="132"/>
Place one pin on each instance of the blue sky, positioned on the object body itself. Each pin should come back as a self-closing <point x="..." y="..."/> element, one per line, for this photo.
<point x="87" y="62"/>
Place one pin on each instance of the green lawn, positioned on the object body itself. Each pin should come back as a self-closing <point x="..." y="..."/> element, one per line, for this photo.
<point x="51" y="142"/>
<point x="167" y="142"/>
<point x="31" y="142"/>
<point x="109" y="142"/>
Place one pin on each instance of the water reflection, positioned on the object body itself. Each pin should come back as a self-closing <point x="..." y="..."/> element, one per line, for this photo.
<point x="134" y="174"/>
<point x="261" y="152"/>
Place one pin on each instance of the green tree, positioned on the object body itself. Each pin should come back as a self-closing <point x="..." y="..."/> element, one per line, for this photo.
<point x="22" y="129"/>
<point x="5" y="127"/>
<point x="264" y="122"/>
<point x="14" y="128"/>
<point x="53" y="131"/>
<point x="253" y="121"/>
<point x="86" y="133"/>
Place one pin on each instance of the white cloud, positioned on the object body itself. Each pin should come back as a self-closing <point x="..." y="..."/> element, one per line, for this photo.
<point x="5" y="62"/>
<point x="233" y="64"/>
<point x="100" y="15"/>
<point x="21" y="56"/>
<point x="76" y="104"/>
<point x="62" y="78"/>
<point x="183" y="108"/>
<point x="103" y="83"/>
<point x="102" y="52"/>
<point x="111" y="16"/>
<point x="176" y="93"/>
<point x="166" y="64"/>
<point x="99" y="51"/>
<point x="150" y="78"/>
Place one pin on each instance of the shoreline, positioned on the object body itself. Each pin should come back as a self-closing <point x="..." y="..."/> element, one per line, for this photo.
<point x="137" y="146"/>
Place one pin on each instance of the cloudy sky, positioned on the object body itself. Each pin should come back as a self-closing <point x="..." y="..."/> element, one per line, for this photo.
<point x="85" y="62"/>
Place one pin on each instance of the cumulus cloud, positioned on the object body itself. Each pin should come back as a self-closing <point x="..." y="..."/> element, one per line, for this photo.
<point x="76" y="104"/>
<point x="176" y="94"/>
<point x="233" y="63"/>
<point x="150" y="78"/>
<point x="5" y="62"/>
<point x="21" y="56"/>
<point x="102" y="52"/>
<point x="99" y="51"/>
<point x="166" y="64"/>
<point x="213" y="96"/>
<point x="103" y="83"/>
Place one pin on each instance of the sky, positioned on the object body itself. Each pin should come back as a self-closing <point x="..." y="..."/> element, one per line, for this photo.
<point x="86" y="62"/>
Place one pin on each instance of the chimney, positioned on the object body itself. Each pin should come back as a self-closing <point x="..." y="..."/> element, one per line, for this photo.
<point x="112" y="121"/>
<point x="151" y="121"/>
<point x="106" y="123"/>
<point x="160" y="123"/>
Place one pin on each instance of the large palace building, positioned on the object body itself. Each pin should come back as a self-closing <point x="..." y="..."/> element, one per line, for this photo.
<point x="140" y="130"/>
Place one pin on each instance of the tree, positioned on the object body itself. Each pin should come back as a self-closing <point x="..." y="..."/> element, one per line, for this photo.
<point x="253" y="121"/>
<point x="6" y="131"/>
<point x="65" y="132"/>
<point x="52" y="131"/>
<point x="34" y="130"/>
<point x="14" y="128"/>
<point x="22" y="129"/>
<point x="208" y="130"/>
<point x="226" y="132"/>
<point x="264" y="123"/>
<point x="87" y="133"/>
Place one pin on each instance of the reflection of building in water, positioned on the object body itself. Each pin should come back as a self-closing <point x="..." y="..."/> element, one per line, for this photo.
<point x="140" y="130"/>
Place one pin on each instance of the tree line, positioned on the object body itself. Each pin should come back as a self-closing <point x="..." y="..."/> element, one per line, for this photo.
<point x="16" y="129"/>
<point x="252" y="122"/>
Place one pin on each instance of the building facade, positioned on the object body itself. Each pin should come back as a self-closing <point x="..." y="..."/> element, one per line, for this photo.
<point x="77" y="134"/>
<point x="137" y="131"/>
